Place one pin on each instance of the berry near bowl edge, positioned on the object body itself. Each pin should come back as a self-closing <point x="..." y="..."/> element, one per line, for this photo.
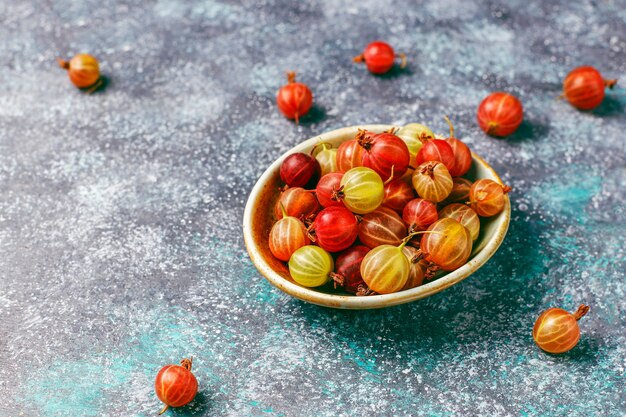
<point x="258" y="220"/>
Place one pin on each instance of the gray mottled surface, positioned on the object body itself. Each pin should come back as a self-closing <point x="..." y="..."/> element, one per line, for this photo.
<point x="120" y="212"/>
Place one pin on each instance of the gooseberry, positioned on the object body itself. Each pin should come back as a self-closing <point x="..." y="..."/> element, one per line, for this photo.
<point x="379" y="57"/>
<point x="487" y="197"/>
<point x="335" y="229"/>
<point x="84" y="71"/>
<point x="414" y="135"/>
<point x="383" y="226"/>
<point x="286" y="236"/>
<point x="310" y="266"/>
<point x="300" y="170"/>
<point x="584" y="87"/>
<point x="418" y="268"/>
<point x="461" y="152"/>
<point x="348" y="270"/>
<point x="299" y="203"/>
<point x="464" y="215"/>
<point x="329" y="184"/>
<point x="385" y="269"/>
<point x="419" y="214"/>
<point x="397" y="194"/>
<point x="327" y="158"/>
<point x="432" y="181"/>
<point x="385" y="153"/>
<point x="436" y="150"/>
<point x="175" y="385"/>
<point x="500" y="114"/>
<point x="448" y="245"/>
<point x="459" y="193"/>
<point x="361" y="191"/>
<point x="294" y="99"/>
<point x="349" y="155"/>
<point x="557" y="331"/>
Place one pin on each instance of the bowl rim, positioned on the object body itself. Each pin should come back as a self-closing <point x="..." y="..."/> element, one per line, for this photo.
<point x="311" y="295"/>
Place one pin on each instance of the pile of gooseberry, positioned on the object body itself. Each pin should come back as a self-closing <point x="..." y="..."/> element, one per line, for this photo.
<point x="383" y="212"/>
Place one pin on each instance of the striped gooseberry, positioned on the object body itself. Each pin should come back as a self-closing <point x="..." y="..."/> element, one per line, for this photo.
<point x="299" y="203"/>
<point x="328" y="185"/>
<point x="397" y="194"/>
<point x="348" y="270"/>
<point x="362" y="190"/>
<point x="326" y="157"/>
<point x="448" y="245"/>
<point x="464" y="215"/>
<point x="487" y="197"/>
<point x="584" y="87"/>
<point x="349" y="155"/>
<point x="294" y="99"/>
<point x="436" y="150"/>
<point x="383" y="226"/>
<point x="414" y="135"/>
<point x="335" y="228"/>
<point x="459" y="192"/>
<point x="310" y="266"/>
<point x="461" y="152"/>
<point x="500" y="114"/>
<point x="385" y="153"/>
<point x="286" y="236"/>
<point x="175" y="385"/>
<point x="557" y="331"/>
<point x="419" y="214"/>
<point x="418" y="268"/>
<point x="379" y="57"/>
<point x="385" y="269"/>
<point x="84" y="71"/>
<point x="432" y="181"/>
<point x="300" y="170"/>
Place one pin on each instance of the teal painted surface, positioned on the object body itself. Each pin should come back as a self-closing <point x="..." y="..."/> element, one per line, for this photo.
<point x="120" y="213"/>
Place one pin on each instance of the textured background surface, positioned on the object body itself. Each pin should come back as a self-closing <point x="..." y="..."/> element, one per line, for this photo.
<point x="120" y="213"/>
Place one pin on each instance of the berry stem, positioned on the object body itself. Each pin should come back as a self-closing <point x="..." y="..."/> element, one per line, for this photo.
<point x="358" y="59"/>
<point x="338" y="279"/>
<point x="449" y="124"/>
<point x="364" y="139"/>
<point x="291" y="77"/>
<point x="363" y="290"/>
<point x="580" y="313"/>
<point x="390" y="176"/>
<point x="63" y="64"/>
<point x="402" y="57"/>
<point x="282" y="209"/>
<point x="164" y="409"/>
<point x="491" y="128"/>
<point x="610" y="83"/>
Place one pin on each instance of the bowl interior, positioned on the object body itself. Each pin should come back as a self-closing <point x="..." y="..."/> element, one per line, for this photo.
<point x="259" y="218"/>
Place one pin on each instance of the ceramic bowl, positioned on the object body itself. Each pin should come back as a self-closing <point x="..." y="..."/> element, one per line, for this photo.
<point x="258" y="220"/>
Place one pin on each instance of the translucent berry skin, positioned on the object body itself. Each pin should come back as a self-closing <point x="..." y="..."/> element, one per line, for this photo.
<point x="397" y="194"/>
<point x="462" y="157"/>
<point x="437" y="150"/>
<point x="419" y="214"/>
<point x="385" y="269"/>
<point x="432" y="181"/>
<point x="298" y="202"/>
<point x="286" y="236"/>
<point x="464" y="215"/>
<point x="362" y="190"/>
<point x="310" y="266"/>
<point x="385" y="153"/>
<point x="487" y="197"/>
<point x="175" y="385"/>
<point x="294" y="99"/>
<point x="349" y="155"/>
<point x="83" y="70"/>
<point x="415" y="135"/>
<point x="327" y="159"/>
<point x="584" y="87"/>
<point x="328" y="184"/>
<point x="348" y="266"/>
<point x="299" y="169"/>
<point x="383" y="226"/>
<point x="557" y="331"/>
<point x="379" y="57"/>
<point x="459" y="192"/>
<point x="417" y="269"/>
<point x="500" y="114"/>
<point x="449" y="247"/>
<point x="336" y="229"/>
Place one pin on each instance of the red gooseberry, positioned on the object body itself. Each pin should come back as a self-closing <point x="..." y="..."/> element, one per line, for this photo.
<point x="418" y="268"/>
<point x="286" y="236"/>
<point x="557" y="331"/>
<point x="459" y="192"/>
<point x="383" y="226"/>
<point x="175" y="385"/>
<point x="397" y="194"/>
<point x="464" y="215"/>
<point x="83" y="70"/>
<point x="419" y="214"/>
<point x="299" y="203"/>
<point x="500" y="114"/>
<point x="294" y="99"/>
<point x="487" y="197"/>
<point x="584" y="87"/>
<point x="436" y="150"/>
<point x="328" y="185"/>
<point x="299" y="170"/>
<point x="379" y="57"/>
<point x="385" y="153"/>
<point x="335" y="229"/>
<point x="349" y="155"/>
<point x="461" y="152"/>
<point x="448" y="244"/>
<point x="348" y="270"/>
<point x="432" y="181"/>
